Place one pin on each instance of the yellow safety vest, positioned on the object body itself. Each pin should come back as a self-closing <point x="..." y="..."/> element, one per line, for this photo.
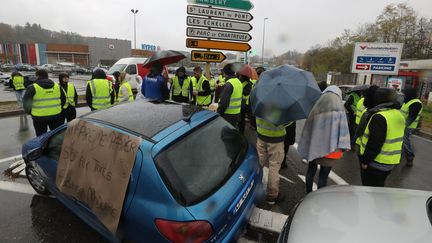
<point x="234" y="106"/>
<point x="246" y="97"/>
<point x="360" y="110"/>
<point x="70" y="95"/>
<point x="221" y="80"/>
<point x="183" y="90"/>
<point x="101" y="93"/>
<point x="392" y="148"/>
<point x="405" y="112"/>
<point x="18" y="82"/>
<point x="129" y="88"/>
<point x="212" y="84"/>
<point x="269" y="130"/>
<point x="46" y="102"/>
<point x="356" y="100"/>
<point x="202" y="100"/>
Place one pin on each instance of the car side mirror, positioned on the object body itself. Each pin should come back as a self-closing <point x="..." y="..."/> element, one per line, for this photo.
<point x="34" y="154"/>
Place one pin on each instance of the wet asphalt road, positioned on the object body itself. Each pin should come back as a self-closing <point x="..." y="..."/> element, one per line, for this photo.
<point x="26" y="217"/>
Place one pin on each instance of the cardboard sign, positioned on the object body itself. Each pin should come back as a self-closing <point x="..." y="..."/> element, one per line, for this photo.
<point x="95" y="166"/>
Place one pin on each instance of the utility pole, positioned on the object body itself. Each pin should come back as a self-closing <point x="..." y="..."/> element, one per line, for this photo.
<point x="134" y="11"/>
<point x="262" y="53"/>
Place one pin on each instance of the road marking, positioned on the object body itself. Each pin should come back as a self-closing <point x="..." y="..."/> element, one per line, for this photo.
<point x="267" y="220"/>
<point x="303" y="178"/>
<point x="265" y="177"/>
<point x="16" y="187"/>
<point x="11" y="158"/>
<point x="337" y="179"/>
<point x="421" y="138"/>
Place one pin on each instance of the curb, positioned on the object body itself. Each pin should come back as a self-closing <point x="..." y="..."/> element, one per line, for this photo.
<point x="21" y="112"/>
<point x="423" y="134"/>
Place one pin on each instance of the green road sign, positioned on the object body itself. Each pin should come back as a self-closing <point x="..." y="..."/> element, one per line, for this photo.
<point x="244" y="5"/>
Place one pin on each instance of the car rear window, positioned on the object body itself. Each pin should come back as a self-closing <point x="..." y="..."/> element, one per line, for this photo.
<point x="200" y="163"/>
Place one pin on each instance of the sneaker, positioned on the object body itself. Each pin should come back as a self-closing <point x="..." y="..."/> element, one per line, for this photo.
<point x="278" y="199"/>
<point x="409" y="163"/>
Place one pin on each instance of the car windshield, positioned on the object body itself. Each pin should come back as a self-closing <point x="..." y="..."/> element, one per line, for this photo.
<point x="199" y="164"/>
<point x="116" y="67"/>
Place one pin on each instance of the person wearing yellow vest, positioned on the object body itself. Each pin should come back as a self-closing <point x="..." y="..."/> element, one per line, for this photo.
<point x="220" y="82"/>
<point x="201" y="89"/>
<point x="351" y="107"/>
<point x="44" y="101"/>
<point x="380" y="134"/>
<point x="270" y="148"/>
<point x="411" y="110"/>
<point x="99" y="91"/>
<point x="69" y="110"/>
<point x="247" y="84"/>
<point x="125" y="89"/>
<point x="231" y="98"/>
<point x="17" y="84"/>
<point x="181" y="86"/>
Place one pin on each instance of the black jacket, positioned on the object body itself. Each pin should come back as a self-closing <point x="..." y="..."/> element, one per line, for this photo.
<point x="30" y="92"/>
<point x="414" y="110"/>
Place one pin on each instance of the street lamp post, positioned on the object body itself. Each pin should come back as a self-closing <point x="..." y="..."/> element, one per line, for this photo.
<point x="262" y="53"/>
<point x="134" y="11"/>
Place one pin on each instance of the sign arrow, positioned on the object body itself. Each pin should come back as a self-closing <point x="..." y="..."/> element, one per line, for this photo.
<point x="362" y="67"/>
<point x="219" y="45"/>
<point x="218" y="24"/>
<point x="218" y="34"/>
<point x="244" y="5"/>
<point x="207" y="56"/>
<point x="219" y="13"/>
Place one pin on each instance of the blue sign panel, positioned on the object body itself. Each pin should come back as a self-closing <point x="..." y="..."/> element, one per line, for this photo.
<point x="148" y="47"/>
<point x="385" y="68"/>
<point x="376" y="60"/>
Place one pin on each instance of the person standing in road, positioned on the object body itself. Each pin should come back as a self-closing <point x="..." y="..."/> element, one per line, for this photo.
<point x="44" y="101"/>
<point x="288" y="141"/>
<point x="201" y="88"/>
<point x="260" y="70"/>
<point x="411" y="110"/>
<point x="380" y="133"/>
<point x="154" y="86"/>
<point x="116" y="84"/>
<point x="17" y="84"/>
<point x="181" y="86"/>
<point x="219" y="85"/>
<point x="351" y="107"/>
<point x="125" y="89"/>
<point x="69" y="110"/>
<point x="99" y="91"/>
<point x="247" y="85"/>
<point x="231" y="98"/>
<point x="270" y="148"/>
<point x="325" y="136"/>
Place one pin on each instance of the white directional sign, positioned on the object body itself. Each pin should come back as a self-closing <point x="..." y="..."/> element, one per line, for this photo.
<point x="219" y="13"/>
<point x="218" y="24"/>
<point x="218" y="34"/>
<point x="377" y="58"/>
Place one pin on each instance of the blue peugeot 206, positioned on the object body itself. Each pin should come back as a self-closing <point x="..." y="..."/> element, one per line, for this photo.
<point x="195" y="177"/>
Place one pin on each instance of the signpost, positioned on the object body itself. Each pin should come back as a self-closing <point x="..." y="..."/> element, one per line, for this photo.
<point x="218" y="34"/>
<point x="207" y="56"/>
<point x="219" y="13"/>
<point x="377" y="58"/>
<point x="219" y="45"/>
<point x="244" y="5"/>
<point x="218" y="24"/>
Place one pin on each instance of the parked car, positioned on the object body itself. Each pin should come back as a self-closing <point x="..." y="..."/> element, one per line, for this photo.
<point x="47" y="67"/>
<point x="60" y="68"/>
<point x="80" y="70"/>
<point x="340" y="214"/>
<point x="195" y="177"/>
<point x="4" y="77"/>
<point x="7" y="67"/>
<point x="24" y="67"/>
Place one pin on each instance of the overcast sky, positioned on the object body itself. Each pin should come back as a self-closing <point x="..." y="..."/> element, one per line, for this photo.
<point x="292" y="24"/>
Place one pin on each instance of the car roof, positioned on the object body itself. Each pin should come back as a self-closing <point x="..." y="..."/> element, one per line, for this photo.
<point x="132" y="60"/>
<point x="144" y="118"/>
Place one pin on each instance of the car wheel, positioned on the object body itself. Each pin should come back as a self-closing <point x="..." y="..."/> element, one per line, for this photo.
<point x="36" y="181"/>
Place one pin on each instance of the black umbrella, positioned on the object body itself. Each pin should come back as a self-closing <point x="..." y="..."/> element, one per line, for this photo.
<point x="360" y="88"/>
<point x="164" y="58"/>
<point x="284" y="94"/>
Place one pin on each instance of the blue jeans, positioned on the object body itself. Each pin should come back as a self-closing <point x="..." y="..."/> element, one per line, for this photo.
<point x="19" y="96"/>
<point x="407" y="147"/>
<point x="310" y="174"/>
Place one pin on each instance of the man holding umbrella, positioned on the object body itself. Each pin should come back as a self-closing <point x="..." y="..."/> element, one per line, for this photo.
<point x="282" y="95"/>
<point x="231" y="98"/>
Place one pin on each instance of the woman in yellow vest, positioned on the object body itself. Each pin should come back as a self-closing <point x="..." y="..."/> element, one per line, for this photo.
<point x="69" y="110"/>
<point x="411" y="110"/>
<point x="17" y="84"/>
<point x="125" y="90"/>
<point x="380" y="134"/>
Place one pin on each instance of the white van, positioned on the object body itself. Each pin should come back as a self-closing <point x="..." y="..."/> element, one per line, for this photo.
<point x="133" y="66"/>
